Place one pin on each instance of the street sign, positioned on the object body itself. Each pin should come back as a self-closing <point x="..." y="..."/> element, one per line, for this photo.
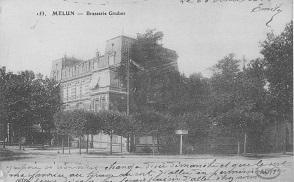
<point x="181" y="132"/>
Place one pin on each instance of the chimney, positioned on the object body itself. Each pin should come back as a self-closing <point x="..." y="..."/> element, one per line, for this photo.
<point x="97" y="53"/>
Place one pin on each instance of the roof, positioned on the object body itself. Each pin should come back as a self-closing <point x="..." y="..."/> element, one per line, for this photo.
<point x="122" y="36"/>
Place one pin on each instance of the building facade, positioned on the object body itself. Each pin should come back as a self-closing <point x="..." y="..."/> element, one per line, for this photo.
<point x="94" y="84"/>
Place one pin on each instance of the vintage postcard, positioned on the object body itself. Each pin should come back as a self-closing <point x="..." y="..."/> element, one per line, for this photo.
<point x="146" y="90"/>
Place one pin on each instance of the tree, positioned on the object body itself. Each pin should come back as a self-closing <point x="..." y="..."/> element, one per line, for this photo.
<point x="198" y="125"/>
<point x="114" y="122"/>
<point x="77" y="123"/>
<point x="30" y="100"/>
<point x="277" y="51"/>
<point x="152" y="123"/>
<point x="158" y="87"/>
<point x="18" y="94"/>
<point x="3" y="106"/>
<point x="278" y="60"/>
<point x="45" y="101"/>
<point x="224" y="84"/>
<point x="238" y="97"/>
<point x="188" y="95"/>
<point x="155" y="63"/>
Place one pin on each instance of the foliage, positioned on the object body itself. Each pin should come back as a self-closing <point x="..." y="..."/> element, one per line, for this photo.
<point x="62" y="122"/>
<point x="146" y="85"/>
<point x="29" y="100"/>
<point x="197" y="123"/>
<point x="45" y="101"/>
<point x="278" y="61"/>
<point x="114" y="122"/>
<point x="80" y="122"/>
<point x="150" y="121"/>
<point x="238" y="98"/>
<point x="3" y="104"/>
<point x="160" y="87"/>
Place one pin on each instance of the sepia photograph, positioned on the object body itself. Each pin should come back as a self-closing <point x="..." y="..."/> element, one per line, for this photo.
<point x="146" y="91"/>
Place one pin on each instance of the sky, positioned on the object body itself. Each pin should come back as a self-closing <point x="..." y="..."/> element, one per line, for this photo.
<point x="201" y="33"/>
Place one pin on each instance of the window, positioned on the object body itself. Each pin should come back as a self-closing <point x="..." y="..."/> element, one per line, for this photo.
<point x="100" y="103"/>
<point x="103" y="103"/>
<point x="114" y="79"/>
<point x="65" y="94"/>
<point x="114" y="57"/>
<point x="73" y="92"/>
<point x="86" y="89"/>
<point x="97" y="105"/>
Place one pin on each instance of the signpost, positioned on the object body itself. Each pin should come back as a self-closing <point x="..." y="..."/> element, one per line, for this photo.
<point x="181" y="133"/>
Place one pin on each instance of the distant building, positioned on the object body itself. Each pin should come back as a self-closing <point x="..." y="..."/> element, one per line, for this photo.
<point x="94" y="84"/>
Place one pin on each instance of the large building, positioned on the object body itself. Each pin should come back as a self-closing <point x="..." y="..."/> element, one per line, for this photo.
<point x="94" y="84"/>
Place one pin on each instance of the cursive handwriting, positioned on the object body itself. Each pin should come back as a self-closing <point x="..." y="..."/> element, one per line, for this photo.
<point x="216" y="1"/>
<point x="177" y="171"/>
<point x="261" y="8"/>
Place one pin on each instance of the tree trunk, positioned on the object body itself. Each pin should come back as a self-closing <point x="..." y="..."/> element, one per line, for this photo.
<point x="111" y="143"/>
<point x="276" y="136"/>
<point x="5" y="135"/>
<point x="80" y="144"/>
<point x="19" y="139"/>
<point x="121" y="144"/>
<point x="68" y="143"/>
<point x="4" y="142"/>
<point x="87" y="143"/>
<point x="158" y="144"/>
<point x="134" y="144"/>
<point x="43" y="140"/>
<point x="128" y="143"/>
<point x="245" y="143"/>
<point x="92" y="140"/>
<point x="238" y="147"/>
<point x="153" y="145"/>
<point x="62" y="144"/>
<point x="285" y="138"/>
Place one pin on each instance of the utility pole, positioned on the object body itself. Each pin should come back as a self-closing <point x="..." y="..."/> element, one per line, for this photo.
<point x="128" y="86"/>
<point x="128" y="96"/>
